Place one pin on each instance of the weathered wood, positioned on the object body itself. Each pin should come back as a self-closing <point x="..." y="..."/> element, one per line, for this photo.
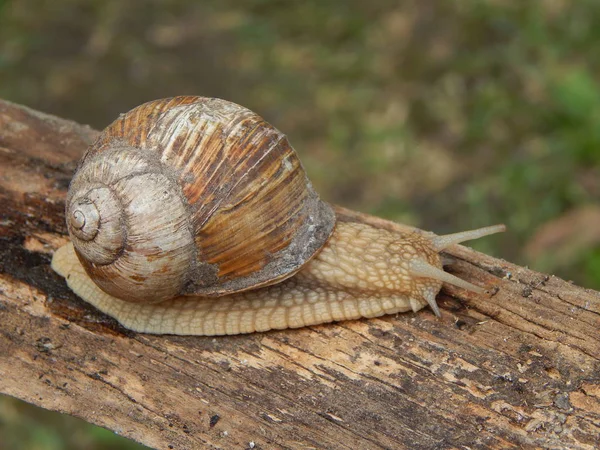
<point x="519" y="368"/>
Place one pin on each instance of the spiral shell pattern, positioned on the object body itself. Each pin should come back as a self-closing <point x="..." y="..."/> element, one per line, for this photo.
<point x="193" y="195"/>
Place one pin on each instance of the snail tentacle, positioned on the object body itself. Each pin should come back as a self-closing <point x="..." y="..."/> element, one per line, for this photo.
<point x="444" y="241"/>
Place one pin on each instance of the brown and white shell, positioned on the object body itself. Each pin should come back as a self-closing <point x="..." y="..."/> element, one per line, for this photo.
<point x="192" y="195"/>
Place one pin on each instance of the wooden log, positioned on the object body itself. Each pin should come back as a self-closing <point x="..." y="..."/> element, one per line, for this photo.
<point x="518" y="368"/>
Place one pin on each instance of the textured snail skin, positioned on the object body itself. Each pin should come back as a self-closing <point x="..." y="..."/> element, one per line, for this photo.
<point x="363" y="271"/>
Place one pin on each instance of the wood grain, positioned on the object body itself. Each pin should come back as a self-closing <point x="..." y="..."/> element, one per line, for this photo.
<point x="519" y="368"/>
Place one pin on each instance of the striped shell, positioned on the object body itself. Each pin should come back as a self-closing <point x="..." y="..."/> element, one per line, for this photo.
<point x="192" y="195"/>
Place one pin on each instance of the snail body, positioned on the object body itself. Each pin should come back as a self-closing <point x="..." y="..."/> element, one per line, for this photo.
<point x="194" y="216"/>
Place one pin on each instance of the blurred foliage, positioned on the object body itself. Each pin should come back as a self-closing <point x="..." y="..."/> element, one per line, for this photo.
<point x="25" y="427"/>
<point x="445" y="114"/>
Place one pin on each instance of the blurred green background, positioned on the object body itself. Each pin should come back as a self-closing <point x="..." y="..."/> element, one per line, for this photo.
<point x="447" y="115"/>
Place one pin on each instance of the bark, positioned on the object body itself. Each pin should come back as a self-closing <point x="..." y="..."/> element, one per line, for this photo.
<point x="518" y="368"/>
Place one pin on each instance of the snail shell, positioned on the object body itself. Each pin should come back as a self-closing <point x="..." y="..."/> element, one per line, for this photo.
<point x="192" y="195"/>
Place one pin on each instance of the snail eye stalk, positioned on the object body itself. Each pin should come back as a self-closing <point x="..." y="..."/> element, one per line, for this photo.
<point x="440" y="243"/>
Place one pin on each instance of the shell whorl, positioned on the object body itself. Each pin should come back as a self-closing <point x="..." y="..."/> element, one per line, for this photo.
<point x="133" y="252"/>
<point x="94" y="217"/>
<point x="193" y="195"/>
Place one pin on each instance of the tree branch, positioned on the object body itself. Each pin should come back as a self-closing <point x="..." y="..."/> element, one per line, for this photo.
<point x="517" y="368"/>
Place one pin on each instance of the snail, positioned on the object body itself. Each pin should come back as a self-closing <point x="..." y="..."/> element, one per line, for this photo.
<point x="194" y="216"/>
